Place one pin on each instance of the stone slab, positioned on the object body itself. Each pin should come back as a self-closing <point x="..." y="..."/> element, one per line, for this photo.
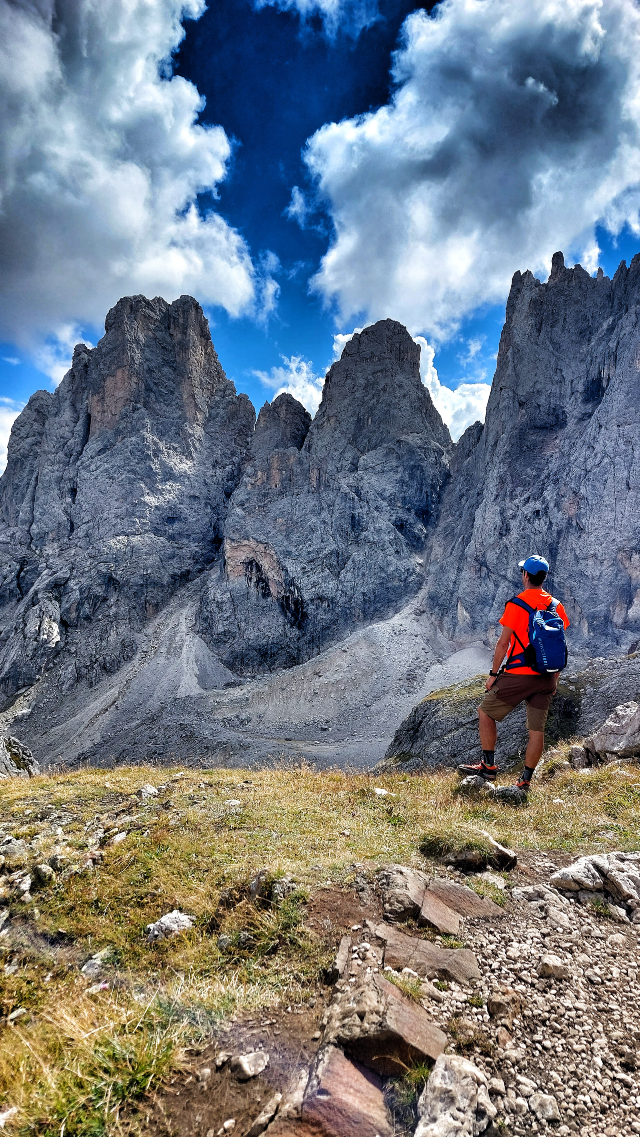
<point x="438" y="915"/>
<point x="343" y="1098"/>
<point x="463" y="900"/>
<point x="381" y="1028"/>
<point x="425" y="958"/>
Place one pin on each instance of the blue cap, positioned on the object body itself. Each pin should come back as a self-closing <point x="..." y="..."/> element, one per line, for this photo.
<point x="534" y="564"/>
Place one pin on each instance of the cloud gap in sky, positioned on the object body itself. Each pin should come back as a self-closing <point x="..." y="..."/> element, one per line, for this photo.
<point x="350" y="16"/>
<point x="514" y="128"/>
<point x="297" y="377"/>
<point x="101" y="163"/>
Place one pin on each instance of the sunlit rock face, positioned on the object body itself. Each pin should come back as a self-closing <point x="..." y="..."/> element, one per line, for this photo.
<point x="556" y="468"/>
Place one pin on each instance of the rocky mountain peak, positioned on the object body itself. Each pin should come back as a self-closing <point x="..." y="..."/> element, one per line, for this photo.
<point x="373" y="396"/>
<point x="281" y="424"/>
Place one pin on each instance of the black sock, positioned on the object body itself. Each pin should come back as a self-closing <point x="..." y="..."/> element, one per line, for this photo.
<point x="489" y="758"/>
<point x="527" y="774"/>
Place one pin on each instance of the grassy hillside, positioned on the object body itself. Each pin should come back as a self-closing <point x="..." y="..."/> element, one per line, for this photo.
<point x="77" y="1047"/>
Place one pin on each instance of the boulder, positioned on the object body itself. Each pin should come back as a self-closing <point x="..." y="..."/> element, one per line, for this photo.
<point x="16" y="760"/>
<point x="455" y="1101"/>
<point x="246" y="1066"/>
<point x="342" y="1098"/>
<point x="425" y="958"/>
<point x="14" y="853"/>
<point x="463" y="900"/>
<point x="436" y="914"/>
<point x="552" y="967"/>
<point x="581" y="875"/>
<point x="545" y="1107"/>
<point x="382" y="1028"/>
<point x="402" y="891"/>
<point x="619" y="735"/>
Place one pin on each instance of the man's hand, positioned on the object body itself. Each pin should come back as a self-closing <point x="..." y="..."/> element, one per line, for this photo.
<point x="502" y="648"/>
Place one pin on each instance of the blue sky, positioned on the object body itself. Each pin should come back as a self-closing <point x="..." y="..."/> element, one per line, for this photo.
<point x="304" y="167"/>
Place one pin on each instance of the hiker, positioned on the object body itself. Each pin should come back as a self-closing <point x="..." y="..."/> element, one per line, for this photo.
<point x="533" y="642"/>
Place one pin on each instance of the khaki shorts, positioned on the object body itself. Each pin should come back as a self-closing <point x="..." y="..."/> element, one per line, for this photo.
<point x="509" y="691"/>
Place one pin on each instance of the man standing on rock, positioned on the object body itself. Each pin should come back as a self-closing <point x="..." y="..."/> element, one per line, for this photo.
<point x="521" y="677"/>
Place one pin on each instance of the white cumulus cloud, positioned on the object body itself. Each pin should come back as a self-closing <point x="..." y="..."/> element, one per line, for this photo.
<point x="514" y="127"/>
<point x="459" y="408"/>
<point x="101" y="162"/>
<point x="298" y="378"/>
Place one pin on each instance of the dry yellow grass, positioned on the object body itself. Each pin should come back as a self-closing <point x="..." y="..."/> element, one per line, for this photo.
<point x="70" y="1062"/>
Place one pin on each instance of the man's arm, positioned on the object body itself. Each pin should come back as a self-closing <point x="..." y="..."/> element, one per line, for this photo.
<point x="502" y="648"/>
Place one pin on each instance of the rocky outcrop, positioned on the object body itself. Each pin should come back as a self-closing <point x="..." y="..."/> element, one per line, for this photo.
<point x="555" y="469"/>
<point x="16" y="760"/>
<point x="115" y="492"/>
<point x="442" y="730"/>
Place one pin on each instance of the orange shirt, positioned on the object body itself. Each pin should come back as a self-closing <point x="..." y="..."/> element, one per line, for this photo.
<point x="517" y="620"/>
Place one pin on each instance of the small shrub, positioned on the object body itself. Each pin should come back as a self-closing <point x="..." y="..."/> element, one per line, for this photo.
<point x="469" y="1036"/>
<point x="401" y="1095"/>
<point x="440" y="843"/>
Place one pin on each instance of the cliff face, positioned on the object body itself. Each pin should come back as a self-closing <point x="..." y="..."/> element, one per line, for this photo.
<point x="556" y="468"/>
<point x="159" y="547"/>
<point x="327" y="529"/>
<point x="115" y="491"/>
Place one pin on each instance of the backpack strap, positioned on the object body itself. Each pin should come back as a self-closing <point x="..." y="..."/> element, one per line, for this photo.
<point x="519" y="659"/>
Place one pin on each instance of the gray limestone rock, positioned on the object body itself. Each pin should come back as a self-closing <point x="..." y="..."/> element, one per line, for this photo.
<point x="455" y="1101"/>
<point x="131" y="464"/>
<point x="558" y="448"/>
<point x="325" y="534"/>
<point x="16" y="760"/>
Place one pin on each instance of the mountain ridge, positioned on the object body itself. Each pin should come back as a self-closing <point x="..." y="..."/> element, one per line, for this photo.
<point x="153" y="527"/>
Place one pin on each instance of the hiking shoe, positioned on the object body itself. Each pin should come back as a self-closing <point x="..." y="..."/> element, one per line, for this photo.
<point x="479" y="770"/>
<point x="523" y="785"/>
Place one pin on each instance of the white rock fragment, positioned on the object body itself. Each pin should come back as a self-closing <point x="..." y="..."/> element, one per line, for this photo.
<point x="545" y="1107"/>
<point x="455" y="1100"/>
<point x="246" y="1066"/>
<point x="552" y="967"/>
<point x="147" y="791"/>
<point x="168" y="926"/>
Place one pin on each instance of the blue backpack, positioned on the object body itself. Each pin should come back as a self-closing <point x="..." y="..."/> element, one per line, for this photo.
<point x="546" y="651"/>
